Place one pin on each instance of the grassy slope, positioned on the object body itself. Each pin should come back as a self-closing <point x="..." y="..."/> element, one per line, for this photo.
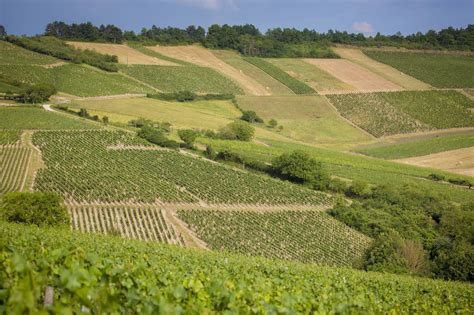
<point x="350" y="166"/>
<point x="305" y="236"/>
<point x="200" y="114"/>
<point x="149" y="276"/>
<point x="15" y="118"/>
<point x="13" y="55"/>
<point x="439" y="70"/>
<point x="192" y="78"/>
<point x="155" y="54"/>
<point x="4" y="87"/>
<point x="305" y="118"/>
<point x="318" y="79"/>
<point x="419" y="147"/>
<point x="232" y="58"/>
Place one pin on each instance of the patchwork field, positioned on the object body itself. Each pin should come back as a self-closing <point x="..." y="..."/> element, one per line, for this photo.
<point x="391" y="113"/>
<point x="306" y="118"/>
<point x="199" y="114"/>
<point x="383" y="70"/>
<point x="460" y="161"/>
<point x="191" y="78"/>
<point x="272" y="85"/>
<point x="320" y="80"/>
<point x="126" y="55"/>
<point x="205" y="58"/>
<point x="439" y="70"/>
<point x="152" y="176"/>
<point x="429" y="145"/>
<point x="305" y="236"/>
<point x="355" y="75"/>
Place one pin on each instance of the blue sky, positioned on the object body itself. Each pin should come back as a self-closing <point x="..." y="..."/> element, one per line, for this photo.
<point x="367" y="16"/>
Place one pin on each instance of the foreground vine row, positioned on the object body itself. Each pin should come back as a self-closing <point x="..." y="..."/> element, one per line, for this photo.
<point x="14" y="160"/>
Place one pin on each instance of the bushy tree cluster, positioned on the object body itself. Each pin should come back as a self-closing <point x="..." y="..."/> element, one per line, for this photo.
<point x="85" y="31"/>
<point x="35" y="94"/>
<point x="237" y="130"/>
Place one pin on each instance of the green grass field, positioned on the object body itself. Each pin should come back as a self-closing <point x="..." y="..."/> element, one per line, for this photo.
<point x="419" y="147"/>
<point x="293" y="84"/>
<point x="316" y="78"/>
<point x="15" y="118"/>
<point x="232" y="58"/>
<point x="439" y="70"/>
<point x="305" y="236"/>
<point x="190" y="78"/>
<point x="147" y="276"/>
<point x="199" y="114"/>
<point x="75" y="79"/>
<point x="391" y="113"/>
<point x="306" y="118"/>
<point x="14" y="55"/>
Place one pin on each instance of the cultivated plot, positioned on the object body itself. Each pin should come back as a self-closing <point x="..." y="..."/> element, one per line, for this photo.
<point x="126" y="55"/>
<point x="355" y="75"/>
<point x="205" y="58"/>
<point x="14" y="162"/>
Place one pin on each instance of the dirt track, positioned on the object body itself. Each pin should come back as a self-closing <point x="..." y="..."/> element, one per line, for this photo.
<point x="125" y="54"/>
<point x="355" y="75"/>
<point x="205" y="58"/>
<point x="459" y="161"/>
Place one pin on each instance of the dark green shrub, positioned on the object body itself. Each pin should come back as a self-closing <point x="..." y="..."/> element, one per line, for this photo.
<point x="37" y="93"/>
<point x="210" y="152"/>
<point x="251" y="117"/>
<point x="33" y="208"/>
<point x="436" y="177"/>
<point x="272" y="123"/>
<point x="237" y="130"/>
<point x="188" y="136"/>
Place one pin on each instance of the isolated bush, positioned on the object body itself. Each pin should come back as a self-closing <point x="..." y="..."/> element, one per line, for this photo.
<point x="33" y="208"/>
<point x="251" y="117"/>
<point x="237" y="130"/>
<point x="359" y="188"/>
<point x="272" y="123"/>
<point x="383" y="255"/>
<point x="105" y="120"/>
<point x="436" y="177"/>
<point x="210" y="152"/>
<point x="157" y="136"/>
<point x="188" y="136"/>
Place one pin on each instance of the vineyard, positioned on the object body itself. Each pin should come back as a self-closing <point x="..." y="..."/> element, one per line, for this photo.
<point x="14" y="55"/>
<point x="144" y="223"/>
<point x="82" y="167"/>
<point x="305" y="236"/>
<point x="9" y="136"/>
<point x="293" y="84"/>
<point x="147" y="277"/>
<point x="16" y="118"/>
<point x="14" y="160"/>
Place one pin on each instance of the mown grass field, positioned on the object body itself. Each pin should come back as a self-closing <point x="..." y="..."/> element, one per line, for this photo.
<point x="350" y="166"/>
<point x="391" y="113"/>
<point x="306" y="118"/>
<point x="147" y="275"/>
<point x="293" y="84"/>
<point x="439" y="70"/>
<point x="75" y="79"/>
<point x="419" y="147"/>
<point x="273" y="86"/>
<point x="15" y="118"/>
<point x="305" y="236"/>
<point x="190" y="78"/>
<point x="199" y="114"/>
<point x="320" y="80"/>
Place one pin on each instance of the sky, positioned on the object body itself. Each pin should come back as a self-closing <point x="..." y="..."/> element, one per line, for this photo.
<point x="366" y="16"/>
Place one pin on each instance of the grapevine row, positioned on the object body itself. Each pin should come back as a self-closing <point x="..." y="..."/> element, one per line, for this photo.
<point x="14" y="161"/>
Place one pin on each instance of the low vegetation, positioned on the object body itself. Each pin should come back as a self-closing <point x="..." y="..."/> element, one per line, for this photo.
<point x="14" y="161"/>
<point x="9" y="136"/>
<point x="293" y="84"/>
<point x="305" y="236"/>
<point x="439" y="70"/>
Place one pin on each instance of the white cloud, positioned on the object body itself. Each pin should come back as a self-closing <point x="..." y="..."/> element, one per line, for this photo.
<point x="363" y="27"/>
<point x="208" y="4"/>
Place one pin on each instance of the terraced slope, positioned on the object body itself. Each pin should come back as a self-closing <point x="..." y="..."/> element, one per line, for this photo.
<point x="381" y="69"/>
<point x="150" y="175"/>
<point x="439" y="70"/>
<point x="305" y="236"/>
<point x="157" y="277"/>
<point x="126" y="55"/>
<point x="357" y="76"/>
<point x="205" y="58"/>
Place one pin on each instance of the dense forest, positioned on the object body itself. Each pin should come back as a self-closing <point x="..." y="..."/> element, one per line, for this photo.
<point x="249" y="40"/>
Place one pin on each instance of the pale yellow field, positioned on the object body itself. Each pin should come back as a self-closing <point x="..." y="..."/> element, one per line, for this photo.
<point x="385" y="71"/>
<point x="357" y="76"/>
<point x="126" y="55"/>
<point x="205" y="58"/>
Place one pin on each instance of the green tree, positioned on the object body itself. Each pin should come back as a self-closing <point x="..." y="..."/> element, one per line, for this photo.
<point x="237" y="130"/>
<point x="251" y="117"/>
<point x="188" y="136"/>
<point x="105" y="120"/>
<point x="37" y="93"/>
<point x="272" y="123"/>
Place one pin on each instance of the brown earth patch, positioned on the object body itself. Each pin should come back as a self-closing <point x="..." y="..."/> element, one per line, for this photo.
<point x="205" y="58"/>
<point x="126" y="55"/>
<point x="355" y="75"/>
<point x="459" y="161"/>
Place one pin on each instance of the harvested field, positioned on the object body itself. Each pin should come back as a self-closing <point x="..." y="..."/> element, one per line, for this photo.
<point x="205" y="58"/>
<point x="126" y="55"/>
<point x="385" y="71"/>
<point x="459" y="161"/>
<point x="355" y="75"/>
